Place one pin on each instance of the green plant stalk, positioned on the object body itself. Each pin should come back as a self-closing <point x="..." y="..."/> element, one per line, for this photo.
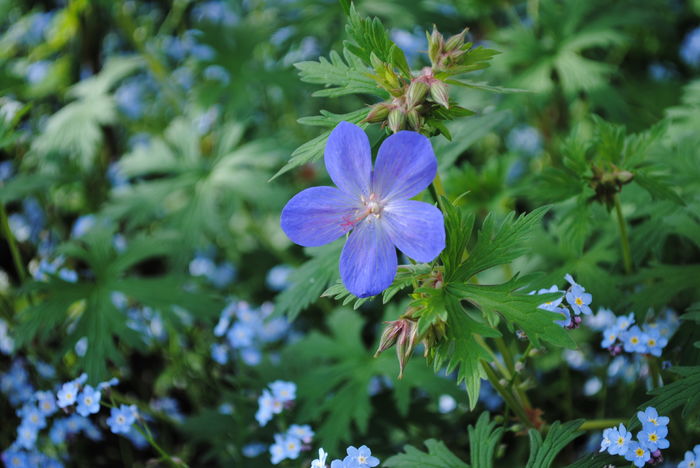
<point x="510" y="364"/>
<point x="503" y="369"/>
<point x="624" y="239"/>
<point x="596" y="424"/>
<point x="12" y="242"/>
<point x="506" y="395"/>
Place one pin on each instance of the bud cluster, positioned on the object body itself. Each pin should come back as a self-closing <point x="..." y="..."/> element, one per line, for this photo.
<point x="607" y="183"/>
<point x="415" y="101"/>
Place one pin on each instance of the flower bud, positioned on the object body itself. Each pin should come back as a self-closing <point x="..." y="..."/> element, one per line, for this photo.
<point x="439" y="94"/>
<point x="456" y="42"/>
<point x="378" y="112"/>
<point x="405" y="344"/>
<point x="414" y="119"/>
<point x="396" y="120"/>
<point x="436" y="44"/>
<point x="416" y="92"/>
<point x="389" y="336"/>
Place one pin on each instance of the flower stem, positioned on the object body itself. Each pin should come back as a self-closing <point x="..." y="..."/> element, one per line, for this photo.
<point x="14" y="250"/>
<point x="624" y="239"/>
<point x="654" y="372"/>
<point x="505" y="394"/>
<point x="437" y="190"/>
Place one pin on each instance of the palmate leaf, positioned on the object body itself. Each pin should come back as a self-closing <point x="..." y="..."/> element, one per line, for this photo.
<point x="369" y="36"/>
<point x="517" y="308"/>
<point x="192" y="191"/>
<point x="75" y="130"/>
<point x="310" y="280"/>
<point x="336" y="370"/>
<point x="85" y="308"/>
<point x="459" y="350"/>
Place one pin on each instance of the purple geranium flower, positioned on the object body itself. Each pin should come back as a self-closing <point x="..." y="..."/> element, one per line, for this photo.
<point x="375" y="205"/>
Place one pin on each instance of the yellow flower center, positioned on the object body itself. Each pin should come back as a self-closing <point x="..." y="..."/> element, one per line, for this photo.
<point x="362" y="459"/>
<point x="653" y="421"/>
<point x="653" y="437"/>
<point x="639" y="452"/>
<point x="634" y="340"/>
<point x="651" y="342"/>
<point x="578" y="301"/>
<point x="620" y="441"/>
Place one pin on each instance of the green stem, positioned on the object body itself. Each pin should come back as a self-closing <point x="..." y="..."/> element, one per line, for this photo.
<point x="505" y="394"/>
<point x="624" y="239"/>
<point x="595" y="424"/>
<point x="510" y="364"/>
<point x="437" y="190"/>
<point x="14" y="250"/>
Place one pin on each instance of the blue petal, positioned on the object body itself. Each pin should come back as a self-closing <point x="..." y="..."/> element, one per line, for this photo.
<point x="318" y="216"/>
<point x="416" y="228"/>
<point x="368" y="261"/>
<point x="405" y="166"/>
<point x="348" y="159"/>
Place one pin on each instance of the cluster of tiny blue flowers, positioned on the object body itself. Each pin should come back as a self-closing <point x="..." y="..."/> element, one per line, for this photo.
<point x="650" y="440"/>
<point x="253" y="328"/>
<point x="291" y="443"/>
<point x="651" y="338"/>
<point x="356" y="458"/>
<point x="577" y="303"/>
<point x="274" y="399"/>
<point x="691" y="459"/>
<point x="38" y="406"/>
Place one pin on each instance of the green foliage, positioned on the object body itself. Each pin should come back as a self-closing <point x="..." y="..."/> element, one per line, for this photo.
<point x="338" y="364"/>
<point x="438" y="456"/>
<point x="310" y="280"/>
<point x="543" y="452"/>
<point x="85" y="308"/>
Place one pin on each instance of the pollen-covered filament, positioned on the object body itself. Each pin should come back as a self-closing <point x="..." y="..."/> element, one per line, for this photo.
<point x="371" y="208"/>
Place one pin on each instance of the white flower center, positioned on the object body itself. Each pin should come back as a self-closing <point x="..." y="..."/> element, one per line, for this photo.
<point x="362" y="459"/>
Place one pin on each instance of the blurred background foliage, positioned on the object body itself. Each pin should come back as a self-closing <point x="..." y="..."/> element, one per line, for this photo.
<point x="136" y="144"/>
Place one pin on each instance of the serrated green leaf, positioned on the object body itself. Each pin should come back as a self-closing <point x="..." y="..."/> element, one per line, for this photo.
<point x="483" y="439"/>
<point x="499" y="243"/>
<point x="517" y="308"/>
<point x="543" y="453"/>
<point x="438" y="456"/>
<point x="340" y="77"/>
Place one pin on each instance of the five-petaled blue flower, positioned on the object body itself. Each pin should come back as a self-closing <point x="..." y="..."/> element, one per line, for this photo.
<point x="374" y="205"/>
<point x="653" y="438"/>
<point x="88" y="401"/>
<point x="637" y="454"/>
<point x="620" y="440"/>
<point x="121" y="419"/>
<point x="360" y="457"/>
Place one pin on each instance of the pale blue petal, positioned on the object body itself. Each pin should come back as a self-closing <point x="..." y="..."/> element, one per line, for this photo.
<point x="348" y="159"/>
<point x="405" y="166"/>
<point x="318" y="216"/>
<point x="368" y="262"/>
<point x="416" y="228"/>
